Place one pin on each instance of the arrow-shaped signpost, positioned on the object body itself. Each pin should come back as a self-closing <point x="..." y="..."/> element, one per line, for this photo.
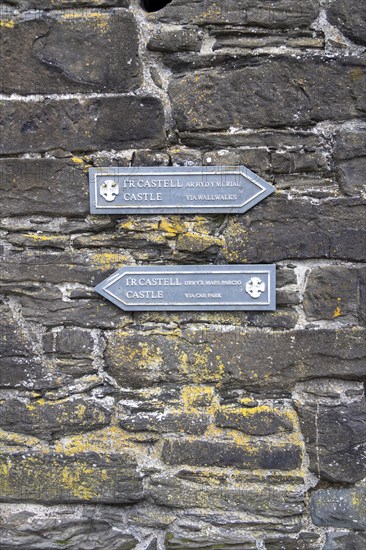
<point x="183" y="190"/>
<point x="175" y="190"/>
<point x="192" y="287"/>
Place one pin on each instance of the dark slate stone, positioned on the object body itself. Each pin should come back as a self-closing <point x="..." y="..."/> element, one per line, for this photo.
<point x="341" y="508"/>
<point x="351" y="176"/>
<point x="99" y="123"/>
<point x="53" y="4"/>
<point x="29" y="527"/>
<point x="278" y="93"/>
<point x="345" y="541"/>
<point x="333" y="292"/>
<point x="283" y="229"/>
<point x="292" y="162"/>
<point x="350" y="157"/>
<point x="234" y="359"/>
<point x="350" y="143"/>
<point x="166" y="422"/>
<point x="57" y="478"/>
<point x="43" y="304"/>
<point x="350" y="17"/>
<point x="20" y="365"/>
<point x="260" y="423"/>
<point x="232" y="493"/>
<point x="335" y="439"/>
<point x="71" y="341"/>
<point x="274" y="139"/>
<point x="52" y="419"/>
<point x="60" y="54"/>
<point x="228" y="455"/>
<point x="43" y="186"/>
<point x="175" y="40"/>
<point x="303" y="541"/>
<point x="282" y="14"/>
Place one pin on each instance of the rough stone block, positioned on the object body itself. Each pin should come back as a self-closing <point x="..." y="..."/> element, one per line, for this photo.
<point x="276" y="497"/>
<point x="333" y="422"/>
<point x="85" y="266"/>
<point x="58" y="478"/>
<point x="20" y="364"/>
<point x="69" y="341"/>
<point x="333" y="292"/>
<point x="44" y="186"/>
<point x="176" y="40"/>
<point x="233" y="358"/>
<point x="282" y="14"/>
<point x="279" y="92"/>
<point x="57" y="4"/>
<point x="227" y="455"/>
<point x="76" y="527"/>
<point x="260" y="420"/>
<point x="43" y="303"/>
<point x="304" y="541"/>
<point x="344" y="508"/>
<point x="345" y="541"/>
<point x="165" y="422"/>
<point x="350" y="157"/>
<point x="283" y="229"/>
<point x="194" y="534"/>
<point x="350" y="17"/>
<point x="52" y="419"/>
<point x="72" y="124"/>
<point x="61" y="54"/>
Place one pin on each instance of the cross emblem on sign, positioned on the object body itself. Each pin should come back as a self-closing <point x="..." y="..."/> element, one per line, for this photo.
<point x="109" y="190"/>
<point x="254" y="287"/>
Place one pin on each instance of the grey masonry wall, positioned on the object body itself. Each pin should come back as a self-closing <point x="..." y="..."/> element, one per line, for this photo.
<point x="184" y="430"/>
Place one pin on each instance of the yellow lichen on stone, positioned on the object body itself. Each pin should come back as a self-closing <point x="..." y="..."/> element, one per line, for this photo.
<point x="199" y="366"/>
<point x="99" y="19"/>
<point x="196" y="242"/>
<point x="7" y="23"/>
<point x="40" y="237"/>
<point x="77" y="160"/>
<point x="75" y="479"/>
<point x="198" y="397"/>
<point x="106" y="441"/>
<point x="109" y="260"/>
<point x="171" y="227"/>
<point x="337" y="312"/>
<point x="12" y="439"/>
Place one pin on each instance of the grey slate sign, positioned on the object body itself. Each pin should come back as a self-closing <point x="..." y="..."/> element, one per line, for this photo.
<point x="192" y="287"/>
<point x="175" y="190"/>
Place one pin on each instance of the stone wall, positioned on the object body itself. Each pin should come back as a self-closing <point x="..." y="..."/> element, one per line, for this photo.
<point x="154" y="431"/>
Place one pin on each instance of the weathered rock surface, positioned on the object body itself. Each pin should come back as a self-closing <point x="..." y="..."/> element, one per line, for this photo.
<point x="344" y="508"/>
<point x="233" y="359"/>
<point x="283" y="14"/>
<point x="345" y="540"/>
<point x="297" y="229"/>
<point x="278" y="93"/>
<point x="210" y="453"/>
<point x="336" y="292"/>
<point x="333" y="421"/>
<point x="51" y="419"/>
<point x="350" y="18"/>
<point x="81" y="125"/>
<point x="55" y="478"/>
<point x="44" y="186"/>
<point x="60" y="54"/>
<point x="52" y="527"/>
